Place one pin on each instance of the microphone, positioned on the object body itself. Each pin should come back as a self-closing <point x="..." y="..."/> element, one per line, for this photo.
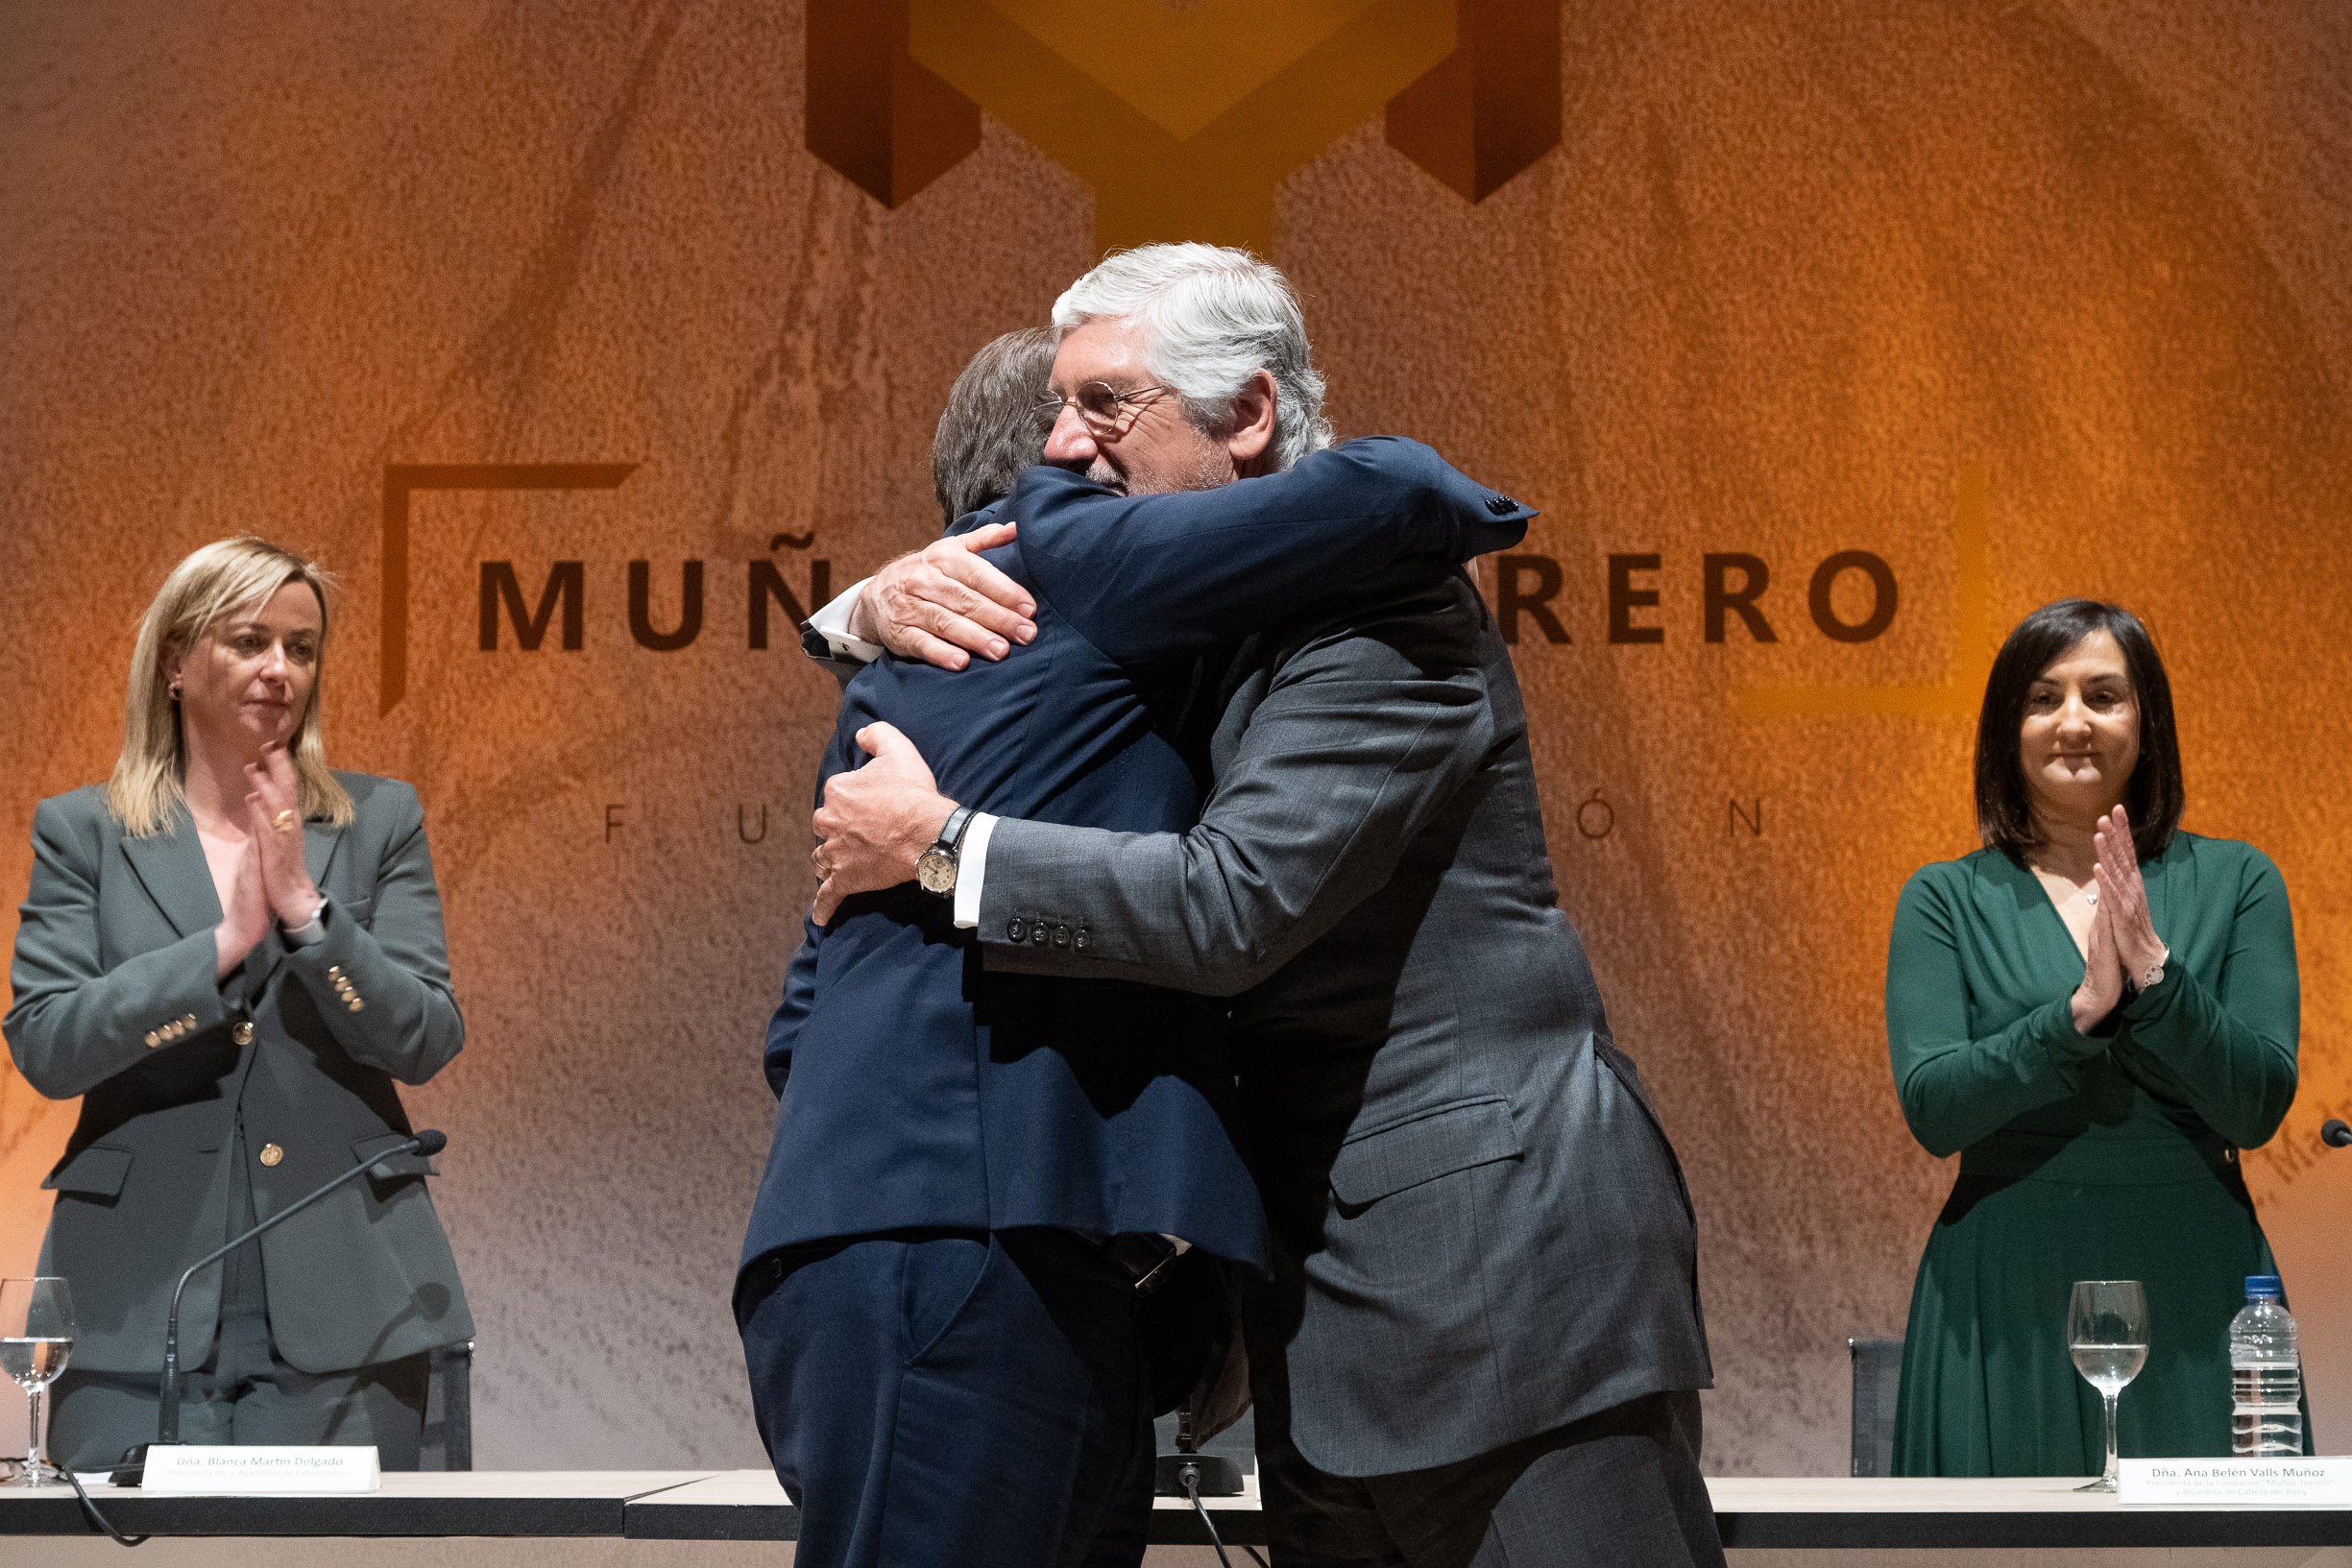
<point x="168" y="1411"/>
<point x="2334" y="1134"/>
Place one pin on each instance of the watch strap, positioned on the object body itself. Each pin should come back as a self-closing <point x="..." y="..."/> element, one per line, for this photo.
<point x="935" y="868"/>
<point x="314" y="929"/>
<point x="951" y="831"/>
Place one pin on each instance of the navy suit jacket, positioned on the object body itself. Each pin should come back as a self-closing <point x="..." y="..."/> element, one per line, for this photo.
<point x="915" y="1088"/>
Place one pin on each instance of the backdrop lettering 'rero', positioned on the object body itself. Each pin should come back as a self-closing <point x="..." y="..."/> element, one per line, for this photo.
<point x="591" y="343"/>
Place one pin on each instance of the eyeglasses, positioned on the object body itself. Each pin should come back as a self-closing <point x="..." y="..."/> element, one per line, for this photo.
<point x="1102" y="406"/>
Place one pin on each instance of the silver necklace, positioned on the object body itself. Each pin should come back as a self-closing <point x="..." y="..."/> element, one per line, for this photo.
<point x="2089" y="895"/>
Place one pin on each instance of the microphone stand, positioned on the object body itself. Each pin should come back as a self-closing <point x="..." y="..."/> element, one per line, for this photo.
<point x="167" y="1410"/>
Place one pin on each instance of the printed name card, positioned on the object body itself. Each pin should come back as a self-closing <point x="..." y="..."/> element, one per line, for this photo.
<point x="2240" y="1484"/>
<point x="260" y="1468"/>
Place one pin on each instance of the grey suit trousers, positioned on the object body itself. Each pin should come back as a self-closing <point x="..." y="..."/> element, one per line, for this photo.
<point x="1617" y="1489"/>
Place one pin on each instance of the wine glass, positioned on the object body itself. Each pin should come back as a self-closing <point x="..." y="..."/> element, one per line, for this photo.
<point x="2106" y="1328"/>
<point x="37" y="1335"/>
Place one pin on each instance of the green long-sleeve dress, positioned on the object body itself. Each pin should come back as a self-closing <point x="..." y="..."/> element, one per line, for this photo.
<point x="2107" y="1156"/>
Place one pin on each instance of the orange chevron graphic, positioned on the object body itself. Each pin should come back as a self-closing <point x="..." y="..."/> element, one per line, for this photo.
<point x="1183" y="119"/>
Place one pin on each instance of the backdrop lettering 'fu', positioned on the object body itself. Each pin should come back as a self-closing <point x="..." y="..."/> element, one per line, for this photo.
<point x="593" y="345"/>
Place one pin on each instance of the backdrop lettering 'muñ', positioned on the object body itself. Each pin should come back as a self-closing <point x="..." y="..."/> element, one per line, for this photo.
<point x="590" y="345"/>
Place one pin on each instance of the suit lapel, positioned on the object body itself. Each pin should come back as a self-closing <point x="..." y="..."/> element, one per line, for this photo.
<point x="171" y="866"/>
<point x="320" y="841"/>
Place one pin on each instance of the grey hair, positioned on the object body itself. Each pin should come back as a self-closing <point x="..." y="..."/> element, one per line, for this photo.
<point x="993" y="425"/>
<point x="1212" y="316"/>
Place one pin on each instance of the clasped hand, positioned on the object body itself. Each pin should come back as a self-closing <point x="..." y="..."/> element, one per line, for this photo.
<point x="943" y="599"/>
<point x="2123" y="940"/>
<point x="876" y="822"/>
<point x="273" y="883"/>
<point x="941" y="604"/>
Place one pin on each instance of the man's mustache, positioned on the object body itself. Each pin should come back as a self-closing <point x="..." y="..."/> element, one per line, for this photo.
<point x="1096" y="471"/>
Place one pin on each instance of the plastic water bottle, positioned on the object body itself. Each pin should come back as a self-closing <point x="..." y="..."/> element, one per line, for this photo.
<point x="2266" y="1376"/>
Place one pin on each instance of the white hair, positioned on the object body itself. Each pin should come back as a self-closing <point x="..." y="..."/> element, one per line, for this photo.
<point x="1212" y="316"/>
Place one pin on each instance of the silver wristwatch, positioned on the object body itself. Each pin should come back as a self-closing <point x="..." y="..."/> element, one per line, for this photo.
<point x="2153" y="974"/>
<point x="936" y="869"/>
<point x="312" y="930"/>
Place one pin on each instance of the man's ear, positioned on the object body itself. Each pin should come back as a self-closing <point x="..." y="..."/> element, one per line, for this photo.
<point x="1250" y="440"/>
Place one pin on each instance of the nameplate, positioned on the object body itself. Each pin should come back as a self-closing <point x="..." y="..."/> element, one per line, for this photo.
<point x="2239" y="1484"/>
<point x="251" y="1469"/>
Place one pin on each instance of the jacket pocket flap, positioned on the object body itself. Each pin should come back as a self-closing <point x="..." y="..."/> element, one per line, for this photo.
<point x="97" y="1172"/>
<point x="405" y="1165"/>
<point x="1435" y="1143"/>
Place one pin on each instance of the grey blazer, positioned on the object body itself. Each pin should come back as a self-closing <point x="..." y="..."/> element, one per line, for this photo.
<point x="116" y="1000"/>
<point x="1482" y="1231"/>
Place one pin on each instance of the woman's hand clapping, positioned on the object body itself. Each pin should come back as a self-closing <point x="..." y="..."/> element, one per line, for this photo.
<point x="274" y="833"/>
<point x="2123" y="897"/>
<point x="246" y="920"/>
<point x="2124" y="939"/>
<point x="2102" y="977"/>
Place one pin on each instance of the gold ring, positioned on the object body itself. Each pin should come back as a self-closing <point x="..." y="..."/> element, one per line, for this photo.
<point x="283" y="821"/>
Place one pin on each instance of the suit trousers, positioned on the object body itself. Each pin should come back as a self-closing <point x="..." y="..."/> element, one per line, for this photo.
<point x="242" y="1392"/>
<point x="1617" y="1489"/>
<point x="969" y="1398"/>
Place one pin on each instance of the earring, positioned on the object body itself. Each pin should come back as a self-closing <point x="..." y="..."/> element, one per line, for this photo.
<point x="175" y="692"/>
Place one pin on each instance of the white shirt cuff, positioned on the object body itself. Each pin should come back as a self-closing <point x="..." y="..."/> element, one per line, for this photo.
<point x="832" y="623"/>
<point x="971" y="865"/>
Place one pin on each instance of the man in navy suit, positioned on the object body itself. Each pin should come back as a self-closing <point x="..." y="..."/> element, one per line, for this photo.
<point x="970" y="1172"/>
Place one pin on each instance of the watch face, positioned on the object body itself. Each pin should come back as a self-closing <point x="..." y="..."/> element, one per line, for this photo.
<point x="936" y="871"/>
<point x="2153" y="974"/>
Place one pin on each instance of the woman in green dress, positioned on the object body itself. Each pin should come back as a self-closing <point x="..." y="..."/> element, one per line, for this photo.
<point x="2097" y="1011"/>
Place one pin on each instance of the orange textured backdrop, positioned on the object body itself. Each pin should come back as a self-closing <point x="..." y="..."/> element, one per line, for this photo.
<point x="1790" y="273"/>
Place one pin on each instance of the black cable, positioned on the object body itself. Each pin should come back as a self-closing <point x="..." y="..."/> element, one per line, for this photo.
<point x="1191" y="1489"/>
<point x="91" y="1509"/>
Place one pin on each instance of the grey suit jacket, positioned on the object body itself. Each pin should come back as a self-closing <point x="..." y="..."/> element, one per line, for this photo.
<point x="1482" y="1231"/>
<point x="116" y="1000"/>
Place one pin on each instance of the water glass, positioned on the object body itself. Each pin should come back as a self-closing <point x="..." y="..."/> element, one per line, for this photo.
<point x="37" y="1337"/>
<point x="2106" y="1328"/>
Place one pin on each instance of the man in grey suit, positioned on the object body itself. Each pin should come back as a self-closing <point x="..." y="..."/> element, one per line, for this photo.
<point x="1481" y="1342"/>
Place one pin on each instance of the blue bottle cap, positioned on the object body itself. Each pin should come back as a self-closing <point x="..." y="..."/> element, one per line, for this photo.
<point x="2262" y="1288"/>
